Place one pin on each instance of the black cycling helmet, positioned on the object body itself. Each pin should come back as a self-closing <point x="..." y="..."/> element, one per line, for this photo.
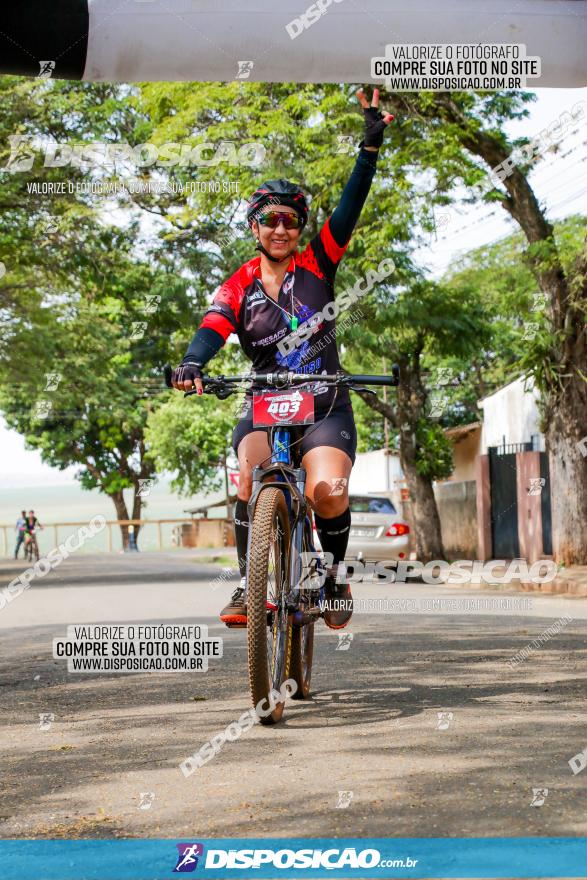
<point x="280" y="192"/>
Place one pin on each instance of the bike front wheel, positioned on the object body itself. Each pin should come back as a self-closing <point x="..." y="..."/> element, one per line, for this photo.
<point x="269" y="628"/>
<point x="302" y="645"/>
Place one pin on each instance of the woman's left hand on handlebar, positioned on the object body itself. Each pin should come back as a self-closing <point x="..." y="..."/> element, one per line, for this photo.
<point x="187" y="377"/>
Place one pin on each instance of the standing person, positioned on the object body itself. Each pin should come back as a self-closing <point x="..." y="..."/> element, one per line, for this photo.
<point x="31" y="526"/>
<point x="20" y="532"/>
<point x="267" y="298"/>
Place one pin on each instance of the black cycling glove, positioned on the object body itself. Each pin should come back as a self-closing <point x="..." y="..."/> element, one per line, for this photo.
<point x="205" y="344"/>
<point x="374" y="126"/>
<point x="189" y="369"/>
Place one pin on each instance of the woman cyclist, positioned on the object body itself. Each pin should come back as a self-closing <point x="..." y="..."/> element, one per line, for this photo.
<point x="30" y="537"/>
<point x="267" y="299"/>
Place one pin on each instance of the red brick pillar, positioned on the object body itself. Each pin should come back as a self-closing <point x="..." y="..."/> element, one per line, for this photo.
<point x="484" y="548"/>
<point x="529" y="505"/>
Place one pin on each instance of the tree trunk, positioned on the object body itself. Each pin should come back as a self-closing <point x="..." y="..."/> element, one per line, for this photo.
<point x="564" y="399"/>
<point x="121" y="513"/>
<point x="137" y="506"/>
<point x="566" y="442"/>
<point x="425" y="519"/>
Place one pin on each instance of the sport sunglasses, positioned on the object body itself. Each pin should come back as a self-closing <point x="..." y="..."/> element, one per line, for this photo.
<point x="273" y="218"/>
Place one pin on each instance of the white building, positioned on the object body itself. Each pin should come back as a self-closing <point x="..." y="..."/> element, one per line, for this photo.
<point x="511" y="416"/>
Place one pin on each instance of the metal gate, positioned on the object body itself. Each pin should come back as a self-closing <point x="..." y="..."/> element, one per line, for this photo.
<point x="545" y="505"/>
<point x="504" y="502"/>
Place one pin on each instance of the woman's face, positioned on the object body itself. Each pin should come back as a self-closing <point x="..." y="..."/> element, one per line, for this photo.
<point x="279" y="242"/>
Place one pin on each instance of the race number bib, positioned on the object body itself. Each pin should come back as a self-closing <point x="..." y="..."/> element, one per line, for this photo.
<point x="283" y="408"/>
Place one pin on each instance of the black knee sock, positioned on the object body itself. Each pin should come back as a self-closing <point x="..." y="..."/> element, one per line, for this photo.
<point x="241" y="534"/>
<point x="334" y="534"/>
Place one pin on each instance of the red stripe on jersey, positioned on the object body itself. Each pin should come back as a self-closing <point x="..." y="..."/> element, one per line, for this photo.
<point x="218" y="322"/>
<point x="307" y="260"/>
<point x="333" y="250"/>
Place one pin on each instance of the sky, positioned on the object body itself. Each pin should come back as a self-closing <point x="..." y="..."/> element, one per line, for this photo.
<point x="560" y="183"/>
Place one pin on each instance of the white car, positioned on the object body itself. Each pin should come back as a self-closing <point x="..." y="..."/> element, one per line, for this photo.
<point x="377" y="530"/>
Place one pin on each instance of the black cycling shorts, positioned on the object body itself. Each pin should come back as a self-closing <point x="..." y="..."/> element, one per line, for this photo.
<point x="338" y="430"/>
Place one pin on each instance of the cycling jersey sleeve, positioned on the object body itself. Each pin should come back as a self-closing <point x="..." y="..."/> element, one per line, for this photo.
<point x="333" y="239"/>
<point x="220" y="320"/>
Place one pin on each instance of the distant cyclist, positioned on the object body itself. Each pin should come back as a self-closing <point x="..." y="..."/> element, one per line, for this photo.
<point x="20" y="532"/>
<point x="265" y="300"/>
<point x="31" y="525"/>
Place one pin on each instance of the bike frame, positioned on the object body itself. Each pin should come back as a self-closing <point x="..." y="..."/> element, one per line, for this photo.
<point x="292" y="482"/>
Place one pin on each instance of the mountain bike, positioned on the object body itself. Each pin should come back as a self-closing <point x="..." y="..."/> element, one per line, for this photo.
<point x="30" y="546"/>
<point x="285" y="574"/>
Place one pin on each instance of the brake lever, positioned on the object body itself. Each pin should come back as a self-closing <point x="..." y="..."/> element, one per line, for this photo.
<point x="213" y="388"/>
<point x="360" y="388"/>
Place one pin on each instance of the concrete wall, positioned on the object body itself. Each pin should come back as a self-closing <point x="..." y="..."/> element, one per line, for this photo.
<point x="376" y="472"/>
<point x="208" y="533"/>
<point x="457" y="508"/>
<point x="465" y="452"/>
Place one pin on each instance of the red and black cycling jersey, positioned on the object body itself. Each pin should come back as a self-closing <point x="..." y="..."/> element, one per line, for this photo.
<point x="242" y="306"/>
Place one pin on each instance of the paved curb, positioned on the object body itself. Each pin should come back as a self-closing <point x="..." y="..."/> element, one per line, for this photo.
<point x="566" y="583"/>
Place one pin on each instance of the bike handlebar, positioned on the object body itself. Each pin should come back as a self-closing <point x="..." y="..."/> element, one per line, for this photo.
<point x="222" y="386"/>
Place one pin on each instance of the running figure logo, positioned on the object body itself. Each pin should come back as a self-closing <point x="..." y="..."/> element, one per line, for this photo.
<point x="187" y="859"/>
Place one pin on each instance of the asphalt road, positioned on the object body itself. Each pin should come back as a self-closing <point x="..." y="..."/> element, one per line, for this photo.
<point x="108" y="764"/>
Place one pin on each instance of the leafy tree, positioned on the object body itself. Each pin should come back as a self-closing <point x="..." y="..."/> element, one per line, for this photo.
<point x="458" y="138"/>
<point x="80" y="382"/>
<point x="189" y="437"/>
<point x="423" y="322"/>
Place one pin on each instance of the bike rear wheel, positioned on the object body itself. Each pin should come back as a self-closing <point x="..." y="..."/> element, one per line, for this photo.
<point x="269" y="631"/>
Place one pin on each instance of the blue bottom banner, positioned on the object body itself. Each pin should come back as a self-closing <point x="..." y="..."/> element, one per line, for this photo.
<point x="445" y="857"/>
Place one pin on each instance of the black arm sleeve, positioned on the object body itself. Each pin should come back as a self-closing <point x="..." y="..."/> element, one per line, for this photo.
<point x="345" y="215"/>
<point x="205" y="344"/>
